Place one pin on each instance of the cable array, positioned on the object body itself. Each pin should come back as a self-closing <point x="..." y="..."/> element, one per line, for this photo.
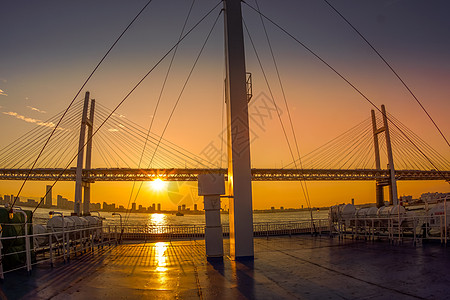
<point x="351" y="150"/>
<point x="390" y="68"/>
<point x="21" y="153"/>
<point x="407" y="155"/>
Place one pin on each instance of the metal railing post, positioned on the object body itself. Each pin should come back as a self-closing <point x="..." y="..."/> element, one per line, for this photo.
<point x="27" y="246"/>
<point x="50" y="249"/>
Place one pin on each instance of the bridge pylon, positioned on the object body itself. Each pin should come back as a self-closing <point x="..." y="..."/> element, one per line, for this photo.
<point x="81" y="184"/>
<point x="392" y="183"/>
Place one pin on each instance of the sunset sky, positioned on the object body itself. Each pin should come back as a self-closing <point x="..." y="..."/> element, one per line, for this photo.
<point x="48" y="48"/>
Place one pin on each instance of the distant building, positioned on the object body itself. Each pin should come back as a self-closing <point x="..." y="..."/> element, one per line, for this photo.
<point x="95" y="206"/>
<point x="7" y="199"/>
<point x="48" y="196"/>
<point x="31" y="202"/>
<point x="195" y="207"/>
<point x="179" y="207"/>
<point x="109" y="207"/>
<point x="133" y="206"/>
<point x="183" y="207"/>
<point x="406" y="200"/>
<point x="433" y="197"/>
<point x="159" y="206"/>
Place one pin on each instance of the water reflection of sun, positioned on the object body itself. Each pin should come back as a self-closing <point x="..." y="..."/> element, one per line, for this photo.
<point x="157" y="220"/>
<point x="160" y="256"/>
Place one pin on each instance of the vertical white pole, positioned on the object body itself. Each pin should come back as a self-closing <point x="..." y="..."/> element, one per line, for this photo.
<point x="239" y="168"/>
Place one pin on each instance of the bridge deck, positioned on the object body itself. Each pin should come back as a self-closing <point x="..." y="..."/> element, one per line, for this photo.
<point x="124" y="174"/>
<point x="284" y="268"/>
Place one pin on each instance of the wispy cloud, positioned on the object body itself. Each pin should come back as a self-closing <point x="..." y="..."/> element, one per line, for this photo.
<point x="118" y="115"/>
<point x="36" y="109"/>
<point x="20" y="117"/>
<point x="31" y="120"/>
<point x="3" y="93"/>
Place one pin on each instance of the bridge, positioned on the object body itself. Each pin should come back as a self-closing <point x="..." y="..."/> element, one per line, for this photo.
<point x="352" y="156"/>
<point x="356" y="155"/>
<point x="125" y="174"/>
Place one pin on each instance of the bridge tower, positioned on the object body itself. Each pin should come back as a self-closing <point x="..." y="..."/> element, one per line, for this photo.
<point x="392" y="183"/>
<point x="81" y="184"/>
<point x="239" y="168"/>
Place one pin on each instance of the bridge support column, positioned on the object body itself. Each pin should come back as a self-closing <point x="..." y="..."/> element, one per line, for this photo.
<point x="379" y="194"/>
<point x="379" y="186"/>
<point x="239" y="172"/>
<point x="211" y="186"/>
<point x="79" y="172"/>
<point x="87" y="185"/>
<point x="393" y="200"/>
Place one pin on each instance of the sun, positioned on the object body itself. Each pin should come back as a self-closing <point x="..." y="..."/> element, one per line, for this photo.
<point x="158" y="184"/>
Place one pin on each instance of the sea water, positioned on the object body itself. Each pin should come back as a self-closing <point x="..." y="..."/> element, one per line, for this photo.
<point x="169" y="218"/>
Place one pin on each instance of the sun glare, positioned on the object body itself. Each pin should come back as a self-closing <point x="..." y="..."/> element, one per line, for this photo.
<point x="158" y="184"/>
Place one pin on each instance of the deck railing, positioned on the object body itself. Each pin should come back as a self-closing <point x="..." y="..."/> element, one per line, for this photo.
<point x="25" y="250"/>
<point x="151" y="232"/>
<point x="396" y="228"/>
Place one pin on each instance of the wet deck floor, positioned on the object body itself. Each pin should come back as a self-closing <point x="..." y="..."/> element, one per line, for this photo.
<point x="299" y="267"/>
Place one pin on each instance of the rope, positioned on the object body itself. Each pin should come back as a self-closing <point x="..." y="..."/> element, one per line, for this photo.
<point x="76" y="95"/>
<point x="391" y="68"/>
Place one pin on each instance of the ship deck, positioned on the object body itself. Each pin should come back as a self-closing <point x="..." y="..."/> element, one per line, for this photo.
<point x="297" y="267"/>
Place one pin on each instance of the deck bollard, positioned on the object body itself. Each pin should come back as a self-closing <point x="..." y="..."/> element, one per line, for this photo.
<point x="211" y="186"/>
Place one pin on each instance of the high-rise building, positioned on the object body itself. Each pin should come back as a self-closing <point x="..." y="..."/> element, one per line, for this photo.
<point x="159" y="206"/>
<point x="48" y="196"/>
<point x="133" y="206"/>
<point x="195" y="206"/>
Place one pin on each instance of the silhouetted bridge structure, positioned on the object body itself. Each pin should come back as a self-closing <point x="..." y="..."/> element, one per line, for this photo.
<point x="126" y="174"/>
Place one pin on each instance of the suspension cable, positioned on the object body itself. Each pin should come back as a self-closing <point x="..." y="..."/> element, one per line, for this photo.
<point x="391" y="68"/>
<point x="129" y="94"/>
<point x="76" y="95"/>
<point x="180" y="95"/>
<point x="287" y="109"/>
<point x="348" y="82"/>
<point x="155" y="111"/>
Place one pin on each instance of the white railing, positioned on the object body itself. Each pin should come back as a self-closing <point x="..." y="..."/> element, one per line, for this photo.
<point x="395" y="228"/>
<point x="47" y="247"/>
<point x="149" y="232"/>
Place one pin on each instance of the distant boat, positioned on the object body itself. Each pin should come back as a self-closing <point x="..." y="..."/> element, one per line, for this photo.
<point x="179" y="214"/>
